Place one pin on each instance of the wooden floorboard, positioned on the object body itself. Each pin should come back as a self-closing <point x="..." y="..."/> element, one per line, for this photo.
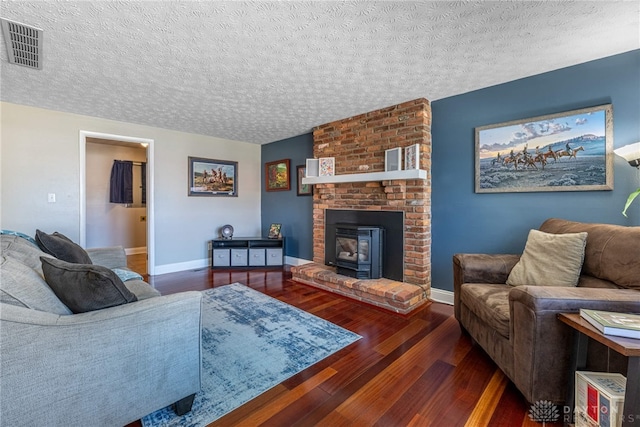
<point x="415" y="370"/>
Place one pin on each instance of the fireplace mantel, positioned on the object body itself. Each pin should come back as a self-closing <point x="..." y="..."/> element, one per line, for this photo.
<point x="367" y="177"/>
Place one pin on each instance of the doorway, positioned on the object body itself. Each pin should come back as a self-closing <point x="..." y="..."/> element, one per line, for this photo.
<point x="136" y="216"/>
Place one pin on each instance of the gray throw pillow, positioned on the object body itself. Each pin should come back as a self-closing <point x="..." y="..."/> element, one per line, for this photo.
<point x="61" y="247"/>
<point x="85" y="287"/>
<point x="550" y="260"/>
<point x="24" y="287"/>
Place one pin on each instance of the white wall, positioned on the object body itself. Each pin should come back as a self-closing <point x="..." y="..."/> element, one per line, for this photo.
<point x="110" y="224"/>
<point x="40" y="155"/>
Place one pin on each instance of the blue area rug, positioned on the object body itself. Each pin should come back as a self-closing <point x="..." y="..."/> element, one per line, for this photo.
<point x="251" y="343"/>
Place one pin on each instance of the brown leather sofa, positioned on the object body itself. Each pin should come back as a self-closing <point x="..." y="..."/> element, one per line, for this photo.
<point x="518" y="326"/>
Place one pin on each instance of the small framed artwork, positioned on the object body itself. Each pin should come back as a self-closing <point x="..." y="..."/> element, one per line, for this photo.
<point x="313" y="166"/>
<point x="303" y="189"/>
<point x="569" y="151"/>
<point x="412" y="157"/>
<point x="327" y="166"/>
<point x="277" y="175"/>
<point x="209" y="177"/>
<point x="274" y="231"/>
<point x="393" y="159"/>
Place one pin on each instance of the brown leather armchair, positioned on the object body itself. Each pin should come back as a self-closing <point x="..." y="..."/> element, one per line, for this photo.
<point x="518" y="326"/>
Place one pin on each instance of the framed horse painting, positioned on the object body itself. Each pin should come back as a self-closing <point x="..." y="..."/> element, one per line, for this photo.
<point x="209" y="177"/>
<point x="570" y="151"/>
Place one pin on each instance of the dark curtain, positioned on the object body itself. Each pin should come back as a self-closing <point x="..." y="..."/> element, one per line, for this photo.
<point x="121" y="182"/>
<point x="144" y="182"/>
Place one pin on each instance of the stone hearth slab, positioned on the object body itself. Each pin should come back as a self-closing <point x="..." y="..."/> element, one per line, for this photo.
<point x="398" y="297"/>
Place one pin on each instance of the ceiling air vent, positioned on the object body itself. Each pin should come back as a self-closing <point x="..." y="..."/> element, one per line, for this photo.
<point x="24" y="43"/>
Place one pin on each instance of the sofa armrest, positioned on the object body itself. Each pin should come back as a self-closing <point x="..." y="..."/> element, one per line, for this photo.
<point x="110" y="257"/>
<point x="106" y="367"/>
<point x="479" y="268"/>
<point x="542" y="343"/>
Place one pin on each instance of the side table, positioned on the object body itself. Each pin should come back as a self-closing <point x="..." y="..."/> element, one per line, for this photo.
<point x="629" y="347"/>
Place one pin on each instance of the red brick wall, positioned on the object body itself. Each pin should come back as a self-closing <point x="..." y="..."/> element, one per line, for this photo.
<point x="358" y="145"/>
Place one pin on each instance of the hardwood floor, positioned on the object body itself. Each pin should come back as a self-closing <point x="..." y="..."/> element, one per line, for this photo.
<point x="138" y="263"/>
<point x="416" y="370"/>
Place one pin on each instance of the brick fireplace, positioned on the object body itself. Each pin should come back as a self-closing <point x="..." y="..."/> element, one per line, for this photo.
<point x="358" y="145"/>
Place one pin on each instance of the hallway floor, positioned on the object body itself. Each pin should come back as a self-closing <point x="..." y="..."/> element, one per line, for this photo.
<point x="138" y="263"/>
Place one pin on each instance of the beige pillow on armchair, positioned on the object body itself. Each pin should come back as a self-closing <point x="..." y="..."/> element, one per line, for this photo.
<point x="550" y="260"/>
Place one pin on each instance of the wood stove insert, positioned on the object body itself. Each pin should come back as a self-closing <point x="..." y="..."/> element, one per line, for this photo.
<point x="359" y="251"/>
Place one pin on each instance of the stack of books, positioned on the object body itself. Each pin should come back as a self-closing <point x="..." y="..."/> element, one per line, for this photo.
<point x="612" y="323"/>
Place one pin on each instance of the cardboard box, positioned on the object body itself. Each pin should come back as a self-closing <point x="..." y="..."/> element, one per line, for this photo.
<point x="599" y="399"/>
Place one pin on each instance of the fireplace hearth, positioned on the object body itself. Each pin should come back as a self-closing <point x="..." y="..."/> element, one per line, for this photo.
<point x="359" y="251"/>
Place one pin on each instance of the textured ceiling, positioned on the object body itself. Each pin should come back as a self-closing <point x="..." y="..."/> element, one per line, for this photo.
<point x="264" y="71"/>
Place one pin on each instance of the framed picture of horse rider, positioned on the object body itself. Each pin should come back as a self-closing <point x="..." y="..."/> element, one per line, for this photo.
<point x="569" y="151"/>
<point x="209" y="177"/>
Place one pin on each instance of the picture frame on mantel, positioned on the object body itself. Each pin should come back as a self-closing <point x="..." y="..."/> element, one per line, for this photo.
<point x="568" y="151"/>
<point x="393" y="159"/>
<point x="412" y="157"/>
<point x="210" y="177"/>
<point x="312" y="168"/>
<point x="326" y="166"/>
<point x="278" y="175"/>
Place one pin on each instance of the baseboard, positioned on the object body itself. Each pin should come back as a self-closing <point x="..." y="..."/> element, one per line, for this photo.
<point x="135" y="251"/>
<point x="440" y="295"/>
<point x="206" y="263"/>
<point x="181" y="266"/>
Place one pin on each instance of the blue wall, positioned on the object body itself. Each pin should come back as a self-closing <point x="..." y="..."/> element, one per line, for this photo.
<point x="294" y="212"/>
<point x="463" y="221"/>
<point x="498" y="223"/>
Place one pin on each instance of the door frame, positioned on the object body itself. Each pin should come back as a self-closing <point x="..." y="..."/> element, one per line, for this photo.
<point x="150" y="186"/>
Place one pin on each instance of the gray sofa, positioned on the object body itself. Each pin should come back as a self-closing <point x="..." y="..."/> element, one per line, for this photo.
<point x="517" y="326"/>
<point x="107" y="367"/>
